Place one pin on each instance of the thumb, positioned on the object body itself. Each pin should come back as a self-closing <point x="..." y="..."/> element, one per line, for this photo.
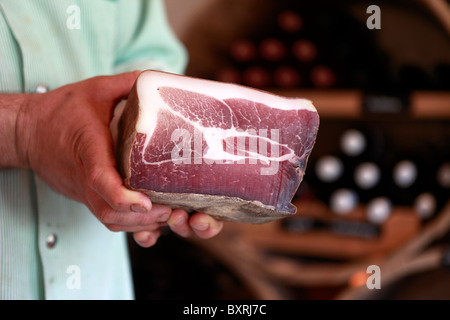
<point x="116" y="87"/>
<point x="124" y="82"/>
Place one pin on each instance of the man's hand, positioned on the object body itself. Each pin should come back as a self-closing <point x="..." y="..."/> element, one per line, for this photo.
<point x="63" y="136"/>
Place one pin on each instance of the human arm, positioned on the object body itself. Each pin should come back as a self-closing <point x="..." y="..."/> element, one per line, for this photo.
<point x="63" y="136"/>
<point x="10" y="105"/>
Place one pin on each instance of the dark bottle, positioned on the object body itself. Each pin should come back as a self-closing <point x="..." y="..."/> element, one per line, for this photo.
<point x="343" y="200"/>
<point x="443" y="175"/>
<point x="434" y="191"/>
<point x="272" y="49"/>
<point x="289" y="21"/>
<point x="327" y="176"/>
<point x="243" y="50"/>
<point x="441" y="180"/>
<point x="362" y="147"/>
<point x="405" y="173"/>
<point x="425" y="205"/>
<point x="379" y="209"/>
<point x="362" y="142"/>
<point x="323" y="76"/>
<point x="257" y="77"/>
<point x="368" y="180"/>
<point x="304" y="50"/>
<point x="407" y="180"/>
<point x="329" y="168"/>
<point x="353" y="142"/>
<point x="416" y="173"/>
<point x="287" y="77"/>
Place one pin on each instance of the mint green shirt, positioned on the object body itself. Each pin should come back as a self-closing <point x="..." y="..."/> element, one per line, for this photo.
<point x="55" y="42"/>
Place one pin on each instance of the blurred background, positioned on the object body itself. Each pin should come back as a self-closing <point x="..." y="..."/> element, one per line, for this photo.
<point x="376" y="189"/>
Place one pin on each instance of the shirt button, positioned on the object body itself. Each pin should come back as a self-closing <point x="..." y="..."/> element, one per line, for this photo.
<point x="41" y="88"/>
<point x="50" y="242"/>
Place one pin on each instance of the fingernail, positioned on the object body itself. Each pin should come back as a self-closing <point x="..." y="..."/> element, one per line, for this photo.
<point x="179" y="222"/>
<point x="142" y="237"/>
<point x="163" y="218"/>
<point x="138" y="208"/>
<point x="161" y="212"/>
<point x="201" y="226"/>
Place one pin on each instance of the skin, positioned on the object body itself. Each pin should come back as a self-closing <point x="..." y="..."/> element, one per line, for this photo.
<point x="64" y="137"/>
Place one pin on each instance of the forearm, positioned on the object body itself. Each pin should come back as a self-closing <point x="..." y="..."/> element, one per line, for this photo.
<point x="10" y="135"/>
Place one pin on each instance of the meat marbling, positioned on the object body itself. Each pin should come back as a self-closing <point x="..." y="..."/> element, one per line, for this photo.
<point x="233" y="152"/>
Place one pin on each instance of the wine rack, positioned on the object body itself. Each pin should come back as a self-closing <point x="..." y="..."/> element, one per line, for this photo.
<point x="326" y="54"/>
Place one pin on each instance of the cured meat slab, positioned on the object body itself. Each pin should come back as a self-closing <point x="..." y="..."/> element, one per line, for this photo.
<point x="233" y="152"/>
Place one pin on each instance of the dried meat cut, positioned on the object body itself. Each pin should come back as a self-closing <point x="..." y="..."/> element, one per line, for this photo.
<point x="236" y="153"/>
<point x="233" y="152"/>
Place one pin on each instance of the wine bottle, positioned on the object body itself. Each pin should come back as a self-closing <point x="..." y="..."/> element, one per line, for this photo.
<point x="289" y="21"/>
<point x="415" y="174"/>
<point x="405" y="173"/>
<point x="367" y="177"/>
<point x="343" y="201"/>
<point x="379" y="209"/>
<point x="328" y="175"/>
<point x="329" y="169"/>
<point x="443" y="175"/>
<point x="405" y="181"/>
<point x="362" y="147"/>
<point x="304" y="50"/>
<point x="442" y="182"/>
<point x="228" y="74"/>
<point x="243" y="50"/>
<point x="323" y="76"/>
<point x="434" y="190"/>
<point x="353" y="142"/>
<point x="425" y="205"/>
<point x="361" y="142"/>
<point x="272" y="49"/>
<point x="257" y="77"/>
<point x="287" y="77"/>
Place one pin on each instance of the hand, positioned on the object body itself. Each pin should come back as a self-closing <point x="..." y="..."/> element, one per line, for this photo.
<point x="202" y="225"/>
<point x="64" y="137"/>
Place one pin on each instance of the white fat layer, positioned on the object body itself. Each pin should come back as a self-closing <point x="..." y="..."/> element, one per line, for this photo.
<point x="150" y="103"/>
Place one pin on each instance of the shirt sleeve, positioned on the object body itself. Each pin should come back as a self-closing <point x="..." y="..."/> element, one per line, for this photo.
<point x="145" y="39"/>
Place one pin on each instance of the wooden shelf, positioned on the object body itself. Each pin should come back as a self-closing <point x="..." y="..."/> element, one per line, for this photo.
<point x="349" y="103"/>
<point x="430" y="104"/>
<point x="330" y="103"/>
<point x="402" y="226"/>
